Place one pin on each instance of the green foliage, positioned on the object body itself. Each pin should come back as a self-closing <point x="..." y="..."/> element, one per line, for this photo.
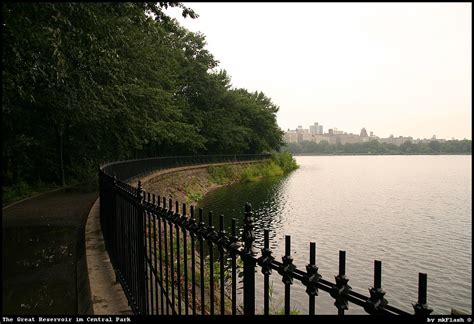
<point x="272" y="170"/>
<point x="194" y="196"/>
<point x="89" y="82"/>
<point x="276" y="308"/>
<point x="279" y="164"/>
<point x="285" y="161"/>
<point x="223" y="174"/>
<point x="22" y="190"/>
<point x="255" y="172"/>
<point x="375" y="147"/>
<point x="251" y="174"/>
<point x="17" y="191"/>
<point x="281" y="311"/>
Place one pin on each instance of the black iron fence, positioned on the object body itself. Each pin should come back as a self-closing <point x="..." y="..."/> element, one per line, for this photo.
<point x="170" y="262"/>
<point x="132" y="169"/>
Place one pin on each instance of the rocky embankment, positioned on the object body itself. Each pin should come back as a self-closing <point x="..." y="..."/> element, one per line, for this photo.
<point x="189" y="185"/>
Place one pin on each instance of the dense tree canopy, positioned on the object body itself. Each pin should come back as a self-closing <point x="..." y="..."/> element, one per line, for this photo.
<point x="375" y="147"/>
<point x="89" y="82"/>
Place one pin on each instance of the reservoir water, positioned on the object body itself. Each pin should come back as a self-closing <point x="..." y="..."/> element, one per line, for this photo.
<point x="414" y="213"/>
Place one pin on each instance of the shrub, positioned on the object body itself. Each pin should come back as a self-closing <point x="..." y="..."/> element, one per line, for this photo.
<point x="222" y="174"/>
<point x="21" y="190"/>
<point x="194" y="196"/>
<point x="285" y="161"/>
<point x="279" y="164"/>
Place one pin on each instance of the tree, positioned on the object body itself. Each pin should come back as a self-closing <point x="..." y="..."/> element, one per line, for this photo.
<point x="88" y="82"/>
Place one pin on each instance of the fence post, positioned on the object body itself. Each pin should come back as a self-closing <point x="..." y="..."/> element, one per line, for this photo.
<point x="265" y="262"/>
<point x="312" y="278"/>
<point x="234" y="245"/>
<point x="115" y="220"/>
<point x="421" y="307"/>
<point x="286" y="272"/>
<point x="341" y="290"/>
<point x="249" y="262"/>
<point x="141" y="298"/>
<point x="376" y="302"/>
<point x="104" y="189"/>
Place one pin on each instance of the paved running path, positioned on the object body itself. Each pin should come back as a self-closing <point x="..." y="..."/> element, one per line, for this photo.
<point x="44" y="264"/>
<point x="107" y="294"/>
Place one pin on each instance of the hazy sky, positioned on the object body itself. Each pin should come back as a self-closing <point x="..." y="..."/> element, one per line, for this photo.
<point x="393" y="68"/>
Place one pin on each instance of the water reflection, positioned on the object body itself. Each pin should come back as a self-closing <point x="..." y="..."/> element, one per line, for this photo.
<point x="411" y="212"/>
<point x="268" y="200"/>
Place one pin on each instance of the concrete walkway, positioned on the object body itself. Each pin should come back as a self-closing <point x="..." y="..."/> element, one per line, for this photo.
<point x="107" y="295"/>
<point x="43" y="262"/>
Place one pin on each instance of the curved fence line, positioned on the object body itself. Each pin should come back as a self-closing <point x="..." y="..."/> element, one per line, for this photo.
<point x="169" y="263"/>
<point x="129" y="169"/>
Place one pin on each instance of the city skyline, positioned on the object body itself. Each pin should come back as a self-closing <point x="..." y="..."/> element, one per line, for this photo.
<point x="402" y="67"/>
<point x="315" y="133"/>
<point x="369" y="130"/>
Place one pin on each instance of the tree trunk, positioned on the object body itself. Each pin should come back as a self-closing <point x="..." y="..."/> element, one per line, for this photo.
<point x="59" y="135"/>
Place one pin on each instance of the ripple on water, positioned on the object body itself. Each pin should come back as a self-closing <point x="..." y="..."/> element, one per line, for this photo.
<point x="411" y="212"/>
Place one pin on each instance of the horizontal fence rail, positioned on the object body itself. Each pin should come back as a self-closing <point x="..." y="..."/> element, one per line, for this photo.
<point x="172" y="260"/>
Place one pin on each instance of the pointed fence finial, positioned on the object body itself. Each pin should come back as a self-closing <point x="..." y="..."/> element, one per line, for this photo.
<point x="140" y="191"/>
<point x="376" y="302"/>
<point x="248" y="235"/>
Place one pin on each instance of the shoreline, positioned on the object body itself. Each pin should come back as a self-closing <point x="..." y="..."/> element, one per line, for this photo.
<point x="188" y="185"/>
<point x="373" y="154"/>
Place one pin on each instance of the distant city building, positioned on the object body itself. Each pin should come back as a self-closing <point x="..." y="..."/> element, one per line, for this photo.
<point x="348" y="138"/>
<point x="396" y="140"/>
<point x="304" y="137"/>
<point x="335" y="131"/>
<point x="291" y="136"/>
<point x="314" y="129"/>
<point x="333" y="136"/>
<point x="301" y="130"/>
<point x="322" y="137"/>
